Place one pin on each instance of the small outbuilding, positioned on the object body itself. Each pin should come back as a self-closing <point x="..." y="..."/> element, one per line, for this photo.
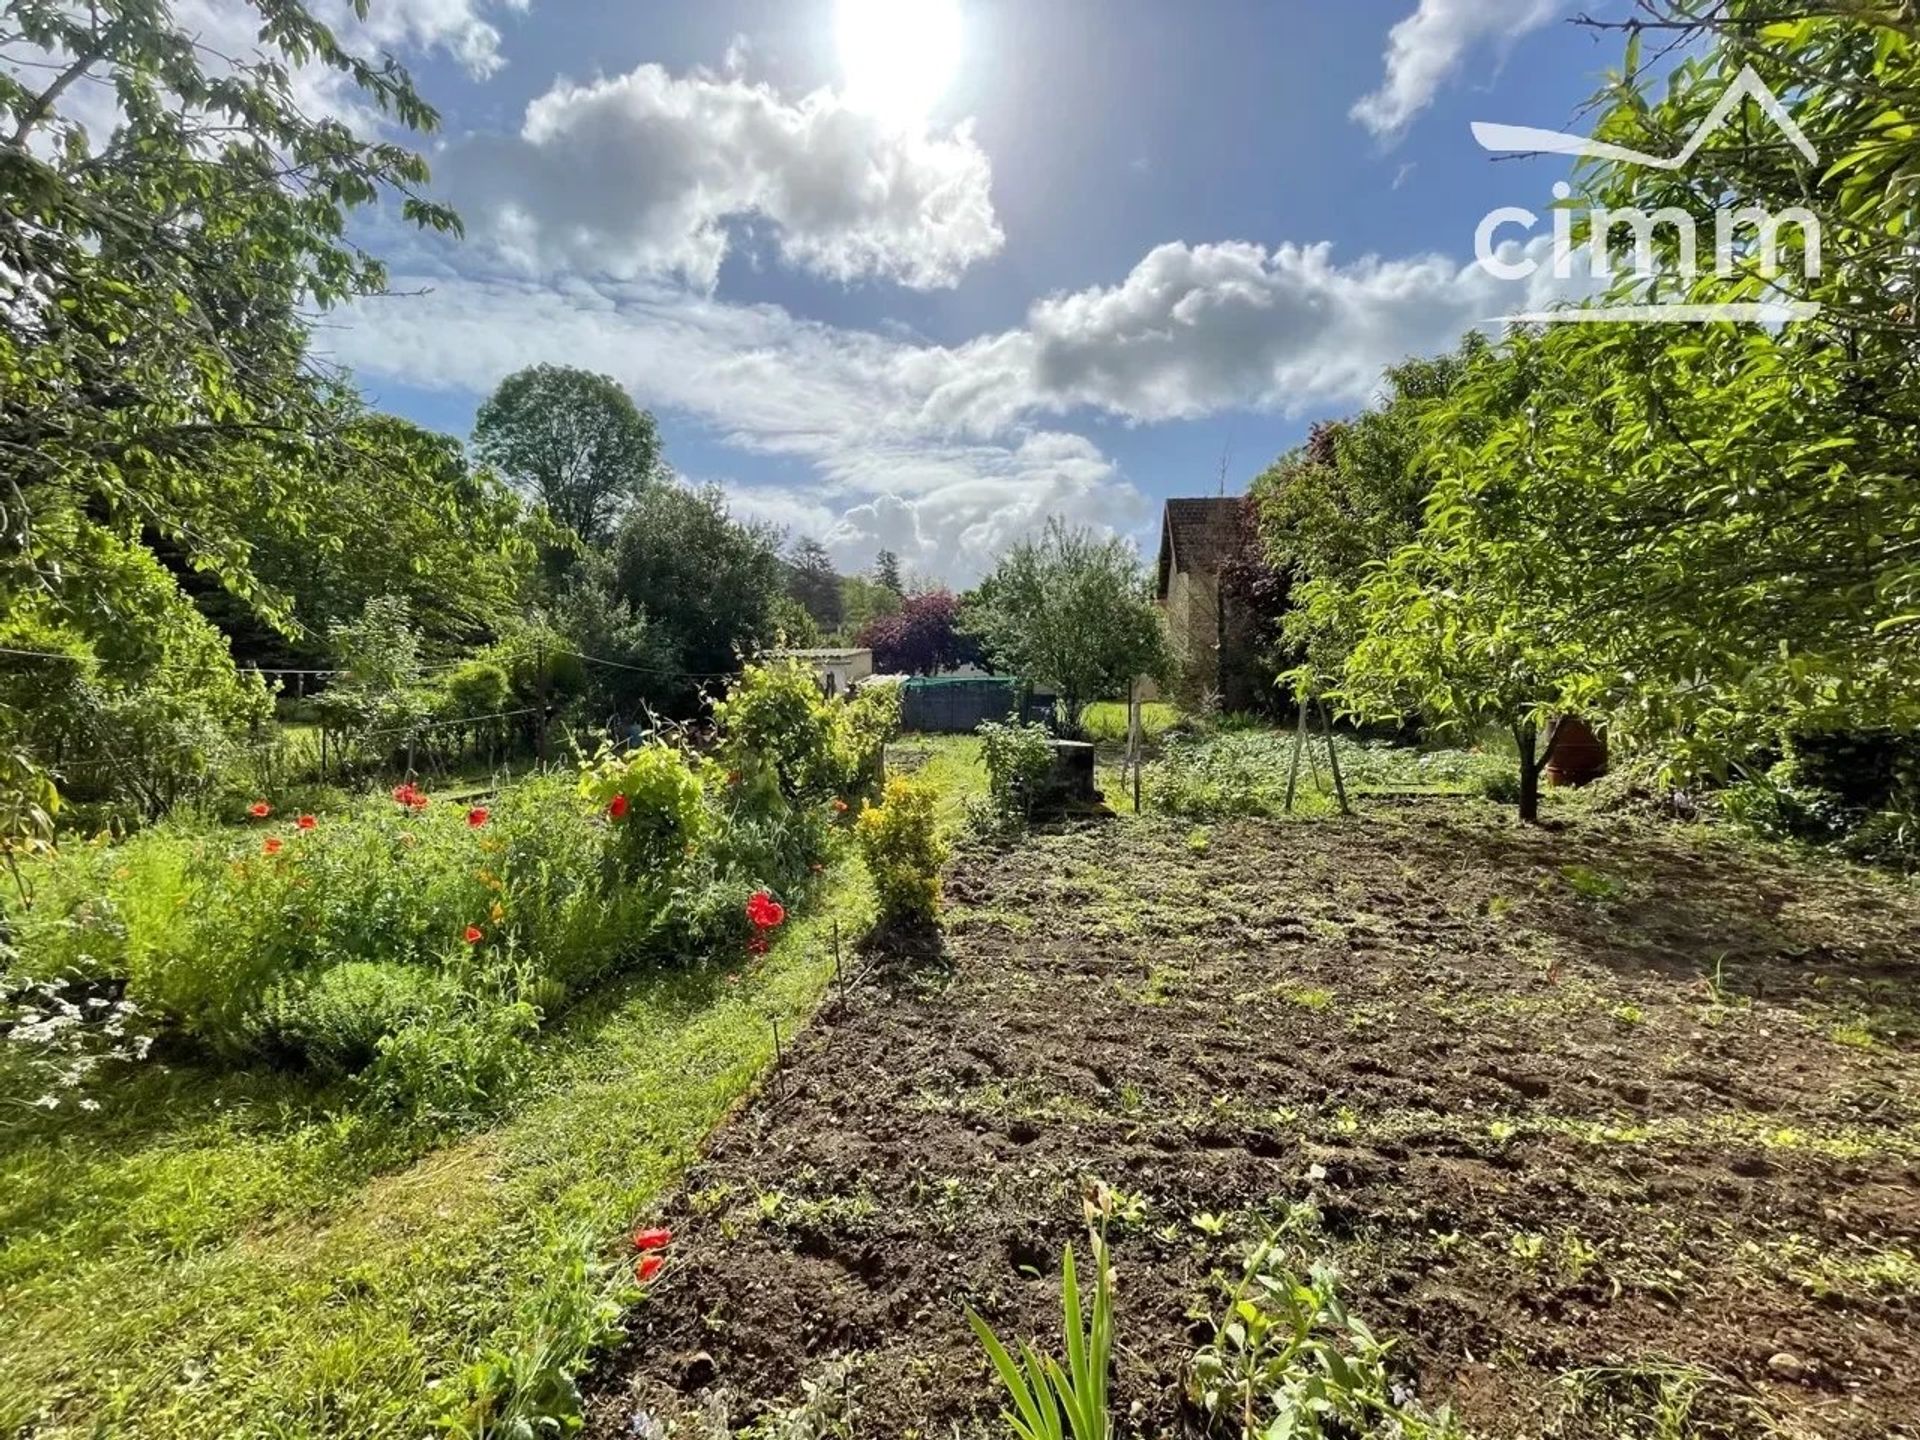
<point x="837" y="668"/>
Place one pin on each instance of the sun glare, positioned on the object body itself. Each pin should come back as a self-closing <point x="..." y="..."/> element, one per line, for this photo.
<point x="898" y="56"/>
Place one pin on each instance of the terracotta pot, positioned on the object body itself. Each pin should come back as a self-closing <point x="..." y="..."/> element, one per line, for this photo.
<point x="1579" y="755"/>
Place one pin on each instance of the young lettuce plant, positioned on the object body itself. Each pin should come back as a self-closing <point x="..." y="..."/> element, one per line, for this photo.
<point x="1052" y="1401"/>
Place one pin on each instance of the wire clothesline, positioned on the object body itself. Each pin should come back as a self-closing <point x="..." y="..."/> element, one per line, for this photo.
<point x="430" y="670"/>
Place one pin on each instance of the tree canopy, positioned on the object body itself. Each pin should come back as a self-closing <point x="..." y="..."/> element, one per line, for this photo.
<point x="574" y="442"/>
<point x="1073" y="611"/>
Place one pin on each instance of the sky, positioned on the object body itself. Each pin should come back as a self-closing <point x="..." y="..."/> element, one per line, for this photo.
<point x="919" y="274"/>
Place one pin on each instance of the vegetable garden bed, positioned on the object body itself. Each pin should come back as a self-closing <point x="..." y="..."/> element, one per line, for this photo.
<point x="1596" y="1126"/>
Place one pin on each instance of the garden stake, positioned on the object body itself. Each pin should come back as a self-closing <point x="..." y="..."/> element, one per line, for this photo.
<point x="1299" y="743"/>
<point x="1333" y="759"/>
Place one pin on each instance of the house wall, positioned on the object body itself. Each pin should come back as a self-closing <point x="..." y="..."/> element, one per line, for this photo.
<point x="1193" y="611"/>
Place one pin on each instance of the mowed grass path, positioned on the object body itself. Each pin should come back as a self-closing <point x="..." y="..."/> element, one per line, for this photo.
<point x="236" y="1256"/>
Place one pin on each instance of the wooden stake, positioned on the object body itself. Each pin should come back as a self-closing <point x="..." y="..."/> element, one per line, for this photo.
<point x="1299" y="744"/>
<point x="1333" y="759"/>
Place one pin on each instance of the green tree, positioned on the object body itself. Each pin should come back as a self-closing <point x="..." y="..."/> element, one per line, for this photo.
<point x="707" y="584"/>
<point x="815" y="583"/>
<point x="886" y="572"/>
<point x="1349" y="498"/>
<point x="1071" y="611"/>
<point x="155" y="281"/>
<point x="1708" y="536"/>
<point x="155" y="286"/>
<point x="398" y="511"/>
<point x="574" y="442"/>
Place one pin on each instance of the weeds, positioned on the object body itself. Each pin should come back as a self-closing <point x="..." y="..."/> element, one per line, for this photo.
<point x="529" y="1386"/>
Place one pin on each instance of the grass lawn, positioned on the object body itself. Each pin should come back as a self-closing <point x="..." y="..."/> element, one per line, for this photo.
<point x="238" y="1255"/>
<point x="1106" y="720"/>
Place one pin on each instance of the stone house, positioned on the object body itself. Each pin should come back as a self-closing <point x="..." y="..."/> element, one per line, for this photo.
<point x="1211" y="641"/>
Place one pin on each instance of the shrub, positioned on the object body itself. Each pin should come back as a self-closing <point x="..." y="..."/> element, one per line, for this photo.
<point x="1209" y="779"/>
<point x="1019" y="759"/>
<point x="336" y="1021"/>
<point x="776" y="720"/>
<point x="653" y="801"/>
<point x="901" y="843"/>
<point x="1501" y="786"/>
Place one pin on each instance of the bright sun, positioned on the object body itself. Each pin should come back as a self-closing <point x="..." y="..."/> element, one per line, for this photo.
<point x="898" y="56"/>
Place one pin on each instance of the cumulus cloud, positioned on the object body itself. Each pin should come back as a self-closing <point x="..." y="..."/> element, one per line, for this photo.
<point x="645" y="173"/>
<point x="847" y="404"/>
<point x="1427" y="47"/>
<point x="1197" y="329"/>
<point x="946" y="453"/>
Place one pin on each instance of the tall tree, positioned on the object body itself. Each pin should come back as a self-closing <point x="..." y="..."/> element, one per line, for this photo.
<point x="1072" y="611"/>
<point x="1706" y="535"/>
<point x="574" y="442"/>
<point x="156" y="278"/>
<point x="886" y="572"/>
<point x="815" y="583"/>
<point x="706" y="585"/>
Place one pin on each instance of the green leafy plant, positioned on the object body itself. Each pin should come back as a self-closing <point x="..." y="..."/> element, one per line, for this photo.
<point x="1052" y="1400"/>
<point x="652" y="800"/>
<point x="1288" y="1360"/>
<point x="776" y="722"/>
<point x="1018" y="757"/>
<point x="528" y="1386"/>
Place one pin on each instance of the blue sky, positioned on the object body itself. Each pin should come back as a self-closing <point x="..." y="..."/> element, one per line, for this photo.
<point x="919" y="273"/>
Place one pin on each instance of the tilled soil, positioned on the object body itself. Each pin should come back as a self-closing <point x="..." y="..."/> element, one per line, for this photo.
<point x="1594" y="1122"/>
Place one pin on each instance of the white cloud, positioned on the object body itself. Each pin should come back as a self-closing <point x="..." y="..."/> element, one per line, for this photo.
<point x="1427" y="47"/>
<point x="457" y="27"/>
<point x="1197" y="329"/>
<point x="847" y="404"/>
<point x="946" y="453"/>
<point x="643" y="174"/>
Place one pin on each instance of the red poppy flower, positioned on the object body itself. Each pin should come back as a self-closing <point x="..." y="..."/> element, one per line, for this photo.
<point x="477" y="817"/>
<point x="273" y="844"/>
<point x="475" y="935"/>
<point x="403" y="794"/>
<point x="839" y="806"/>
<point x="259" y="810"/>
<point x="305" y="822"/>
<point x="765" y="911"/>
<point x="648" y="1267"/>
<point x="618" y="808"/>
<point x="656" y="1237"/>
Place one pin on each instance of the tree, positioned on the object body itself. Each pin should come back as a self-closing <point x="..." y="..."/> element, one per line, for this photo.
<point x="155" y="287"/>
<point x="886" y="571"/>
<point x="1073" y="612"/>
<point x="814" y="582"/>
<point x="397" y="511"/>
<point x="574" y="442"/>
<point x="862" y="601"/>
<point x="707" y="585"/>
<point x="922" y="638"/>
<point x="1342" y="503"/>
